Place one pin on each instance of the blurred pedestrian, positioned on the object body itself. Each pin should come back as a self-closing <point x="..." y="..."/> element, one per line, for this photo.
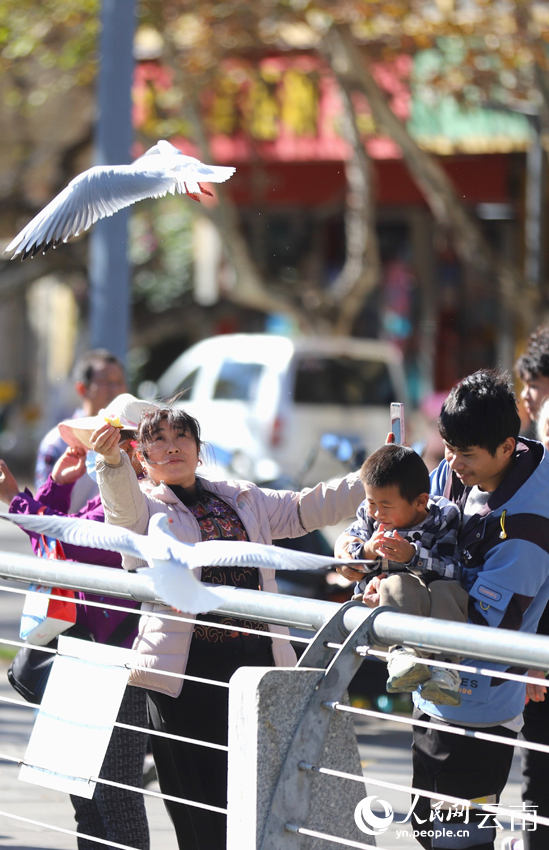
<point x="533" y="370"/>
<point x="113" y="814"/>
<point x="98" y="378"/>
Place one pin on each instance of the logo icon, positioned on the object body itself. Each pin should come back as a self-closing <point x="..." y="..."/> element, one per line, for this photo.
<point x="370" y="822"/>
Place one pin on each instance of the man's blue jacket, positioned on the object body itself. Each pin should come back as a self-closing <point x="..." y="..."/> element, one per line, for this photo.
<point x="507" y="577"/>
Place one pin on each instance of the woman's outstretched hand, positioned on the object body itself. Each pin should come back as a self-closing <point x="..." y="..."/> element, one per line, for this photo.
<point x="341" y="550"/>
<point x="105" y="441"/>
<point x="8" y="485"/>
<point x="70" y="467"/>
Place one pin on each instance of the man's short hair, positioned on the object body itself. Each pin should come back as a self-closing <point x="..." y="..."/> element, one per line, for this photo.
<point x="396" y="465"/>
<point x="480" y="411"/>
<point x="86" y="366"/>
<point x="534" y="363"/>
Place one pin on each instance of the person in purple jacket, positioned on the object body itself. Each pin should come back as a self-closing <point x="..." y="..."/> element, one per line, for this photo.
<point x="113" y="814"/>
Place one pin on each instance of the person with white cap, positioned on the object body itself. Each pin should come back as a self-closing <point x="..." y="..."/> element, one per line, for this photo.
<point x="113" y="814"/>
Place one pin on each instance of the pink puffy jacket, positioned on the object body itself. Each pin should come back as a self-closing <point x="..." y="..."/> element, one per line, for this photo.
<point x="266" y="515"/>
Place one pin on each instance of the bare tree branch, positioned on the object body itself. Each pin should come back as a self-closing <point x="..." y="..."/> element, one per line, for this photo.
<point x="361" y="271"/>
<point x="446" y="206"/>
<point x="249" y="290"/>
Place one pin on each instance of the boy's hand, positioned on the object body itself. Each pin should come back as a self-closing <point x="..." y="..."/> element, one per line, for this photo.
<point x="371" y="547"/>
<point x="371" y="594"/>
<point x="8" y="485"/>
<point x="395" y="548"/>
<point x="105" y="442"/>
<point x="70" y="467"/>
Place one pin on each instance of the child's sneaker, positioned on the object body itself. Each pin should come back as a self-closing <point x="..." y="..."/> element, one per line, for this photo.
<point x="442" y="688"/>
<point x="406" y="671"/>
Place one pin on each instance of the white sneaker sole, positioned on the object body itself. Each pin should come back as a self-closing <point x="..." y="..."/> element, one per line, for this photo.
<point x="409" y="680"/>
<point x="439" y="696"/>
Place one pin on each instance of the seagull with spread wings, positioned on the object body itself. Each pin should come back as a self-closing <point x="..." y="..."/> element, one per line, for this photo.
<point x="171" y="577"/>
<point x="105" y="189"/>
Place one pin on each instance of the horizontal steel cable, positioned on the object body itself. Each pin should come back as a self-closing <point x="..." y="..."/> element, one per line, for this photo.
<point x="143" y="729"/>
<point x="158" y="794"/>
<point x="67" y="831"/>
<point x="450" y="665"/>
<point x="346" y="842"/>
<point x="163" y="616"/>
<point x="465" y="732"/>
<point x="128" y="666"/>
<point x="432" y="795"/>
<point x="143" y="791"/>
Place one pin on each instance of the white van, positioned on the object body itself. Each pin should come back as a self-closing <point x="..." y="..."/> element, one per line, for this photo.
<point x="266" y="400"/>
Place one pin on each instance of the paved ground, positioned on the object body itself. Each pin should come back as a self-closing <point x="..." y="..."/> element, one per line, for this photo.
<point x="384" y="749"/>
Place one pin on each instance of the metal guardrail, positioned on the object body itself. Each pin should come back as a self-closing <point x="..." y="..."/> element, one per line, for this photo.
<point x="386" y="627"/>
<point x="342" y="635"/>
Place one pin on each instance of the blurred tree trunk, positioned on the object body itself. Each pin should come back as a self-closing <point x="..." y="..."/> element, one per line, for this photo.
<point x="249" y="290"/>
<point x="445" y="204"/>
<point x="362" y="268"/>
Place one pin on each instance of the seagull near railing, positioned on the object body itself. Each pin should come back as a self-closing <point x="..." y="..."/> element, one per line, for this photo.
<point x="172" y="561"/>
<point x="103" y="190"/>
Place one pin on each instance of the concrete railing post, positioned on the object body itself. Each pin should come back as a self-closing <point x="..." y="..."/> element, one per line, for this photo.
<point x="279" y="719"/>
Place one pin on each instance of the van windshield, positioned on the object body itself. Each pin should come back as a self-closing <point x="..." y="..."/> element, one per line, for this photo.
<point x="342" y="380"/>
<point x="238" y="381"/>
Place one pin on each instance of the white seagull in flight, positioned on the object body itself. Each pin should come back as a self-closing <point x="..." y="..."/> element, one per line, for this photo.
<point x="104" y="189"/>
<point x="171" y="577"/>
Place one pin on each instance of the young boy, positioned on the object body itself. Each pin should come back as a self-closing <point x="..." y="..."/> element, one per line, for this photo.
<point x="414" y="540"/>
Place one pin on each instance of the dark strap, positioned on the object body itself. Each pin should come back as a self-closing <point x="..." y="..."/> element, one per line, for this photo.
<point x="486" y="535"/>
<point x="123" y="630"/>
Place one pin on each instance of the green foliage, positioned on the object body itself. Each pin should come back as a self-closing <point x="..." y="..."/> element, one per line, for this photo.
<point x="161" y="251"/>
<point x="8" y="653"/>
<point x="46" y="48"/>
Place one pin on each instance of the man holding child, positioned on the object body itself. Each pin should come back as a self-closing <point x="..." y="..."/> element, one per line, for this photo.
<point x="500" y="483"/>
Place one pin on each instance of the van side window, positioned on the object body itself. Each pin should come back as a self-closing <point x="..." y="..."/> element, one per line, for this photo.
<point x="238" y="381"/>
<point x="187" y="384"/>
<point x="342" y="380"/>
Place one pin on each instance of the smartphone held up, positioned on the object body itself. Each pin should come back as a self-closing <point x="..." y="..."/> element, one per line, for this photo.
<point x="397" y="422"/>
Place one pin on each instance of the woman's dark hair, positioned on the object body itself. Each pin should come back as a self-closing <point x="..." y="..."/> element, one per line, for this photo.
<point x="480" y="411"/>
<point x="397" y="465"/>
<point x="534" y="363"/>
<point x="176" y="417"/>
